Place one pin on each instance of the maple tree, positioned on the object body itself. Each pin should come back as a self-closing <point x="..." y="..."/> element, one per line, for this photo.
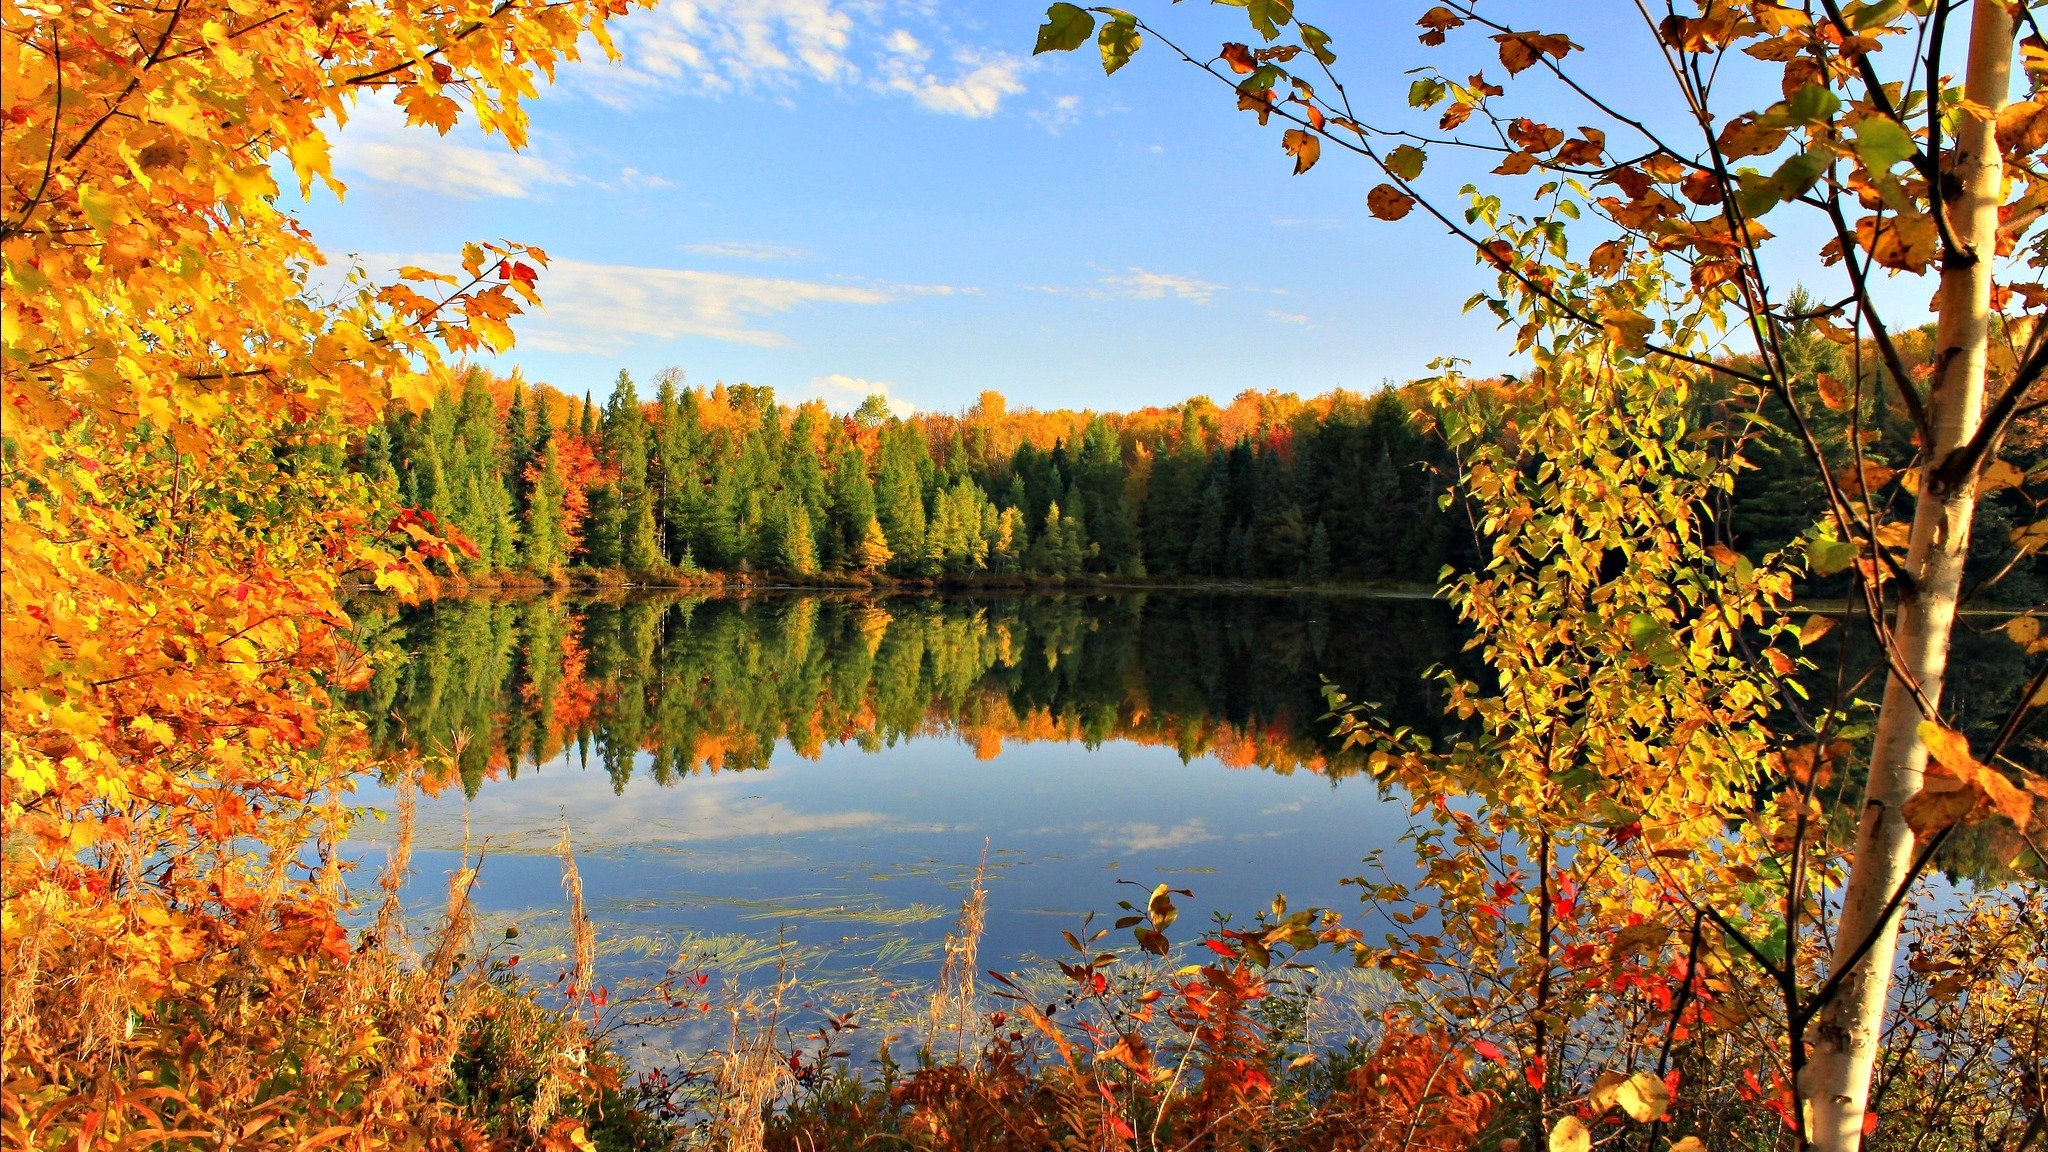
<point x="1648" y="232"/>
<point x="176" y="400"/>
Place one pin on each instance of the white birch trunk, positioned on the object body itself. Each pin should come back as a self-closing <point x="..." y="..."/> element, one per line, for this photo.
<point x="1843" y="1040"/>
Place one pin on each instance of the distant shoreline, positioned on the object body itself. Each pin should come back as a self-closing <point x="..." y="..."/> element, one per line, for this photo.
<point x="727" y="583"/>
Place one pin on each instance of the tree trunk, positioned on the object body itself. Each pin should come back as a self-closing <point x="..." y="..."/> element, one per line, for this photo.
<point x="1844" y="1037"/>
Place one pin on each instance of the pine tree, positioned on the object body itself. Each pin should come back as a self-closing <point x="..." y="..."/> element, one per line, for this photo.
<point x="545" y="541"/>
<point x="1099" y="474"/>
<point x="1206" y="549"/>
<point x="899" y="496"/>
<point x="519" y="445"/>
<point x="1318" y="564"/>
<point x="625" y="439"/>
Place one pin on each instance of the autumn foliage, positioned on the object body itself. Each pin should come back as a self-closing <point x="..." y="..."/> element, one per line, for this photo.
<point x="176" y="402"/>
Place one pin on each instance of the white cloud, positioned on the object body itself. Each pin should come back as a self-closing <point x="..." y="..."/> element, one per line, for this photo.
<point x="976" y="92"/>
<point x="902" y="43"/>
<point x="600" y="309"/>
<point x="378" y="144"/>
<point x="1149" y="837"/>
<point x="710" y="47"/>
<point x="1289" y="318"/>
<point x="635" y="178"/>
<point x="741" y="250"/>
<point x="843" y="393"/>
<point x="1144" y="285"/>
<point x="452" y="169"/>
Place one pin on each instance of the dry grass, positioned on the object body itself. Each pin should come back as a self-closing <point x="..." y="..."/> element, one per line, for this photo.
<point x="952" y="1004"/>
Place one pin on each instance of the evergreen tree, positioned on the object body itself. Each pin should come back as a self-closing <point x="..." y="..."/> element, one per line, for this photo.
<point x="1099" y="473"/>
<point x="899" y="496"/>
<point x="625" y="439"/>
<point x="519" y="446"/>
<point x="546" y="545"/>
<point x="1206" y="548"/>
<point x="1317" y="566"/>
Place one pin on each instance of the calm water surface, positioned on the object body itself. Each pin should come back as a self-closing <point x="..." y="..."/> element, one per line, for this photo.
<point x="831" y="769"/>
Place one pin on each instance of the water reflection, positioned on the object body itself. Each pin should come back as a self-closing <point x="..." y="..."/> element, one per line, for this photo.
<point x="706" y="685"/>
<point x="831" y="769"/>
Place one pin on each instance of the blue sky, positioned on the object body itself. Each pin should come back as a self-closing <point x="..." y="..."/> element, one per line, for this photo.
<point x="832" y="197"/>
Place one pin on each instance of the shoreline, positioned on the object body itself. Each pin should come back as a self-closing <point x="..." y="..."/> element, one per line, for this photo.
<point x="737" y="584"/>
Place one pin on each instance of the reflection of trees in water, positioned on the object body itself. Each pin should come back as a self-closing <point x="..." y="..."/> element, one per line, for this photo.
<point x="714" y="684"/>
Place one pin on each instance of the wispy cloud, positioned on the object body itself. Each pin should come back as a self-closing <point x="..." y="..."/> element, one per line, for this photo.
<point x="1149" y="837"/>
<point x="741" y="250"/>
<point x="712" y="47"/>
<point x="377" y="144"/>
<point x="1289" y="318"/>
<point x="451" y="169"/>
<point x="975" y="90"/>
<point x="1060" y="115"/>
<point x="1139" y="284"/>
<point x="1145" y="285"/>
<point x="599" y="309"/>
<point x="843" y="393"/>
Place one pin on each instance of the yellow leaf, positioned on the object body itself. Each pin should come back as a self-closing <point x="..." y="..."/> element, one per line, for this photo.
<point x="1815" y="627"/>
<point x="2023" y="629"/>
<point x="1602" y="1098"/>
<point x="1643" y="1096"/>
<point x="1303" y="146"/>
<point x="1569" y="1134"/>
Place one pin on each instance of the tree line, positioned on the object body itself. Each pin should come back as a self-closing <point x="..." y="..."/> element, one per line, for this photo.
<point x="727" y="479"/>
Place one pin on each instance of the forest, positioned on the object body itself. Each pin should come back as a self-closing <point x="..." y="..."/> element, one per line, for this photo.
<point x="1341" y="487"/>
<point x="727" y="480"/>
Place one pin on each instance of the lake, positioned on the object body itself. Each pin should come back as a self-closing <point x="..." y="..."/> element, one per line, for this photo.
<point x="829" y="770"/>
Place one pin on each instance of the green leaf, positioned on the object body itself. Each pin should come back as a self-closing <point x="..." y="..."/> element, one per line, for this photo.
<point x="1269" y="16"/>
<point x="1317" y="41"/>
<point x="1798" y="173"/>
<point x="1066" y="26"/>
<point x="1424" y="93"/>
<point x="1756" y="193"/>
<point x="1119" y="40"/>
<point x="1814" y="104"/>
<point x="1864" y="17"/>
<point x="1827" y="556"/>
<point x="1882" y="142"/>
<point x="1406" y="161"/>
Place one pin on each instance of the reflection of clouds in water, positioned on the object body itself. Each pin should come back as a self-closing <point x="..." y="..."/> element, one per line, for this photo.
<point x="1146" y="837"/>
<point x="1283" y="809"/>
<point x="526" y="815"/>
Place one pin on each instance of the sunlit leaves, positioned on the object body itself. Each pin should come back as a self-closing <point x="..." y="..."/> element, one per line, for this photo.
<point x="1304" y="146"/>
<point x="1882" y="143"/>
<point x="1570" y="1134"/>
<point x="1437" y="22"/>
<point x="1066" y="28"/>
<point x="1406" y="161"/>
<point x="1956" y="788"/>
<point x="1269" y="16"/>
<point x="1118" y="40"/>
<point x="1520" y="51"/>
